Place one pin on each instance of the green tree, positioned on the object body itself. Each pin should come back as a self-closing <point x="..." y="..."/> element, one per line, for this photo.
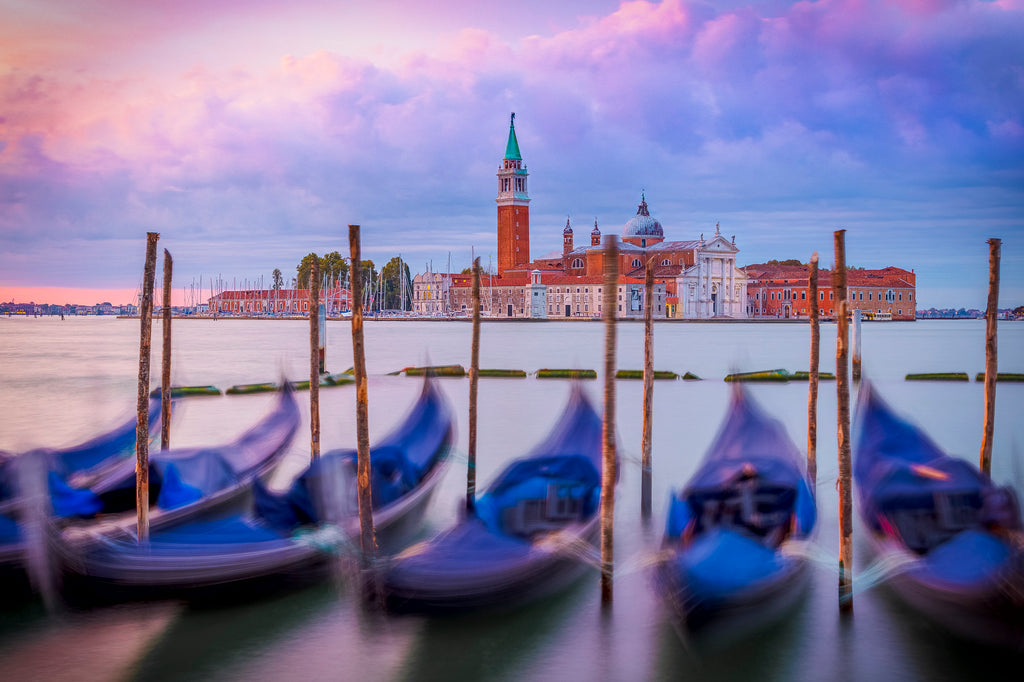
<point x="393" y="273"/>
<point x="278" y="279"/>
<point x="303" y="269"/>
<point x="334" y="267"/>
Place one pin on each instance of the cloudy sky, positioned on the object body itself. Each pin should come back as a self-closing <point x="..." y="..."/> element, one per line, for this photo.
<point x="249" y="133"/>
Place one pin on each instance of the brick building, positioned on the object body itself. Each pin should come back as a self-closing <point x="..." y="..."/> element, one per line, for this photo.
<point x="277" y="301"/>
<point x="780" y="292"/>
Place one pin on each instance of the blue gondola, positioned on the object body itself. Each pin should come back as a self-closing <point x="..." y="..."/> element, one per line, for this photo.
<point x="954" y="537"/>
<point x="724" y="568"/>
<point x="76" y="467"/>
<point x="523" y="537"/>
<point x="289" y="536"/>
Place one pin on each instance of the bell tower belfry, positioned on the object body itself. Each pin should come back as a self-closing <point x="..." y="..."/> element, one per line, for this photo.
<point x="513" y="206"/>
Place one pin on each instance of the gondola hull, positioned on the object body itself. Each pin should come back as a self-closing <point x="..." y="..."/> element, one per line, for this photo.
<point x="528" y="536"/>
<point x="955" y="539"/>
<point x="249" y="554"/>
<point x="535" y="571"/>
<point x="731" y="561"/>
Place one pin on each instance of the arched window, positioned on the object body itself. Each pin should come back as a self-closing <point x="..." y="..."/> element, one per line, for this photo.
<point x="577" y="262"/>
<point x="636" y="263"/>
<point x="666" y="262"/>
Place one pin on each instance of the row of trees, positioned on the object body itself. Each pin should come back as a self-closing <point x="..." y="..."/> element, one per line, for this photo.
<point x="334" y="268"/>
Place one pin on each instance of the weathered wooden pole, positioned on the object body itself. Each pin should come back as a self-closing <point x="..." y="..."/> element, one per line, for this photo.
<point x="165" y="377"/>
<point x="991" y="367"/>
<point x="856" y="344"/>
<point x="843" y="429"/>
<point x="645" y="445"/>
<point x="474" y="372"/>
<point x="812" y="377"/>
<point x="367" y="541"/>
<point x="314" y="359"/>
<point x="142" y="423"/>
<point x="608" y="463"/>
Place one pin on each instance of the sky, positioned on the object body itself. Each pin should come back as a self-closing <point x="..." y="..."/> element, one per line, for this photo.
<point x="250" y="133"/>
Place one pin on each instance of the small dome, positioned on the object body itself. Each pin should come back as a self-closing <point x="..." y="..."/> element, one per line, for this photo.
<point x="568" y="229"/>
<point x="642" y="224"/>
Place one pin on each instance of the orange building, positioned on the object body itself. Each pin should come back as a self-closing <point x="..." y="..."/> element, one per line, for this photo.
<point x="277" y="301"/>
<point x="780" y="291"/>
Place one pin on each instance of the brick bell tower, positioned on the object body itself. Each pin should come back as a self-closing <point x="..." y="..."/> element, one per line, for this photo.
<point x="513" y="206"/>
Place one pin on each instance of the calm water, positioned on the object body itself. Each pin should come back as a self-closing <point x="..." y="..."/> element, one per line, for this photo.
<point x="64" y="381"/>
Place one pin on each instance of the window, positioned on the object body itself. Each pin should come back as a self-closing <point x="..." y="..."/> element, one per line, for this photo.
<point x="910" y="297"/>
<point x="803" y="295"/>
<point x="577" y="262"/>
<point x="636" y="263"/>
<point x="666" y="262"/>
<point x="901" y="295"/>
<point x="869" y="295"/>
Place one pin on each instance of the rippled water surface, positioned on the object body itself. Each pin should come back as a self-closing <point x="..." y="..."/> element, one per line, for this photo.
<point x="64" y="381"/>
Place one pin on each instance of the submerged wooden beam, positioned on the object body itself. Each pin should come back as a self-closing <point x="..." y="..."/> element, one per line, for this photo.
<point x="843" y="429"/>
<point x="142" y="423"/>
<point x="991" y="371"/>
<point x="608" y="455"/>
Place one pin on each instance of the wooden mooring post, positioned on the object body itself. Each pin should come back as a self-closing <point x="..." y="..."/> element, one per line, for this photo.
<point x="856" y="345"/>
<point x="367" y="539"/>
<point x="314" y="359"/>
<point x="474" y="376"/>
<point x="608" y="463"/>
<point x="142" y="423"/>
<point x="843" y="429"/>
<point x="812" y="377"/>
<point x="165" y="375"/>
<point x="991" y="366"/>
<point x="645" y="444"/>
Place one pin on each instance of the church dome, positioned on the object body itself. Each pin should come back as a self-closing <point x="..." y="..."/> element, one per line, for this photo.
<point x="642" y="224"/>
<point x="595" y="232"/>
<point x="568" y="228"/>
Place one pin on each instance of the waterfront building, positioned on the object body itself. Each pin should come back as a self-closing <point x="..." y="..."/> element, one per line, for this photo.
<point x="277" y="301"/>
<point x="780" y="292"/>
<point x="430" y="294"/>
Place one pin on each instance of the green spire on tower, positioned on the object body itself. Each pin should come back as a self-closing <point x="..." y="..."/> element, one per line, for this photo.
<point x="512" y="148"/>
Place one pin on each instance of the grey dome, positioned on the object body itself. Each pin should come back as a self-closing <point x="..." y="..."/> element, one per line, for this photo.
<point x="642" y="224"/>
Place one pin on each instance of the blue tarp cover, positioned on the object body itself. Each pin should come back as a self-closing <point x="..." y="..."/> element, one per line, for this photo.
<point x="397" y="465"/>
<point x="896" y="465"/>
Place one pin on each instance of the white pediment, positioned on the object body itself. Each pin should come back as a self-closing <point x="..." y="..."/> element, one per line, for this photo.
<point x="718" y="244"/>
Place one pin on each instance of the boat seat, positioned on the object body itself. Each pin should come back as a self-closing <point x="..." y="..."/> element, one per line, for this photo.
<point x="926" y="521"/>
<point x="752" y="510"/>
<point x="563" y="504"/>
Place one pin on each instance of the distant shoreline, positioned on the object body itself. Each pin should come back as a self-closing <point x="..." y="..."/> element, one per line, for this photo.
<point x="525" y="320"/>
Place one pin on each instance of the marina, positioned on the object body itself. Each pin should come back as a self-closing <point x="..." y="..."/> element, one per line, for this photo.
<point x="65" y="381"/>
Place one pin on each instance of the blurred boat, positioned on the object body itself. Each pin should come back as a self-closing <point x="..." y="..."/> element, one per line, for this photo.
<point x="287" y="537"/>
<point x="725" y="568"/>
<point x="184" y="483"/>
<point x="954" y="538"/>
<point x="525" y="535"/>
<point x="75" y="467"/>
